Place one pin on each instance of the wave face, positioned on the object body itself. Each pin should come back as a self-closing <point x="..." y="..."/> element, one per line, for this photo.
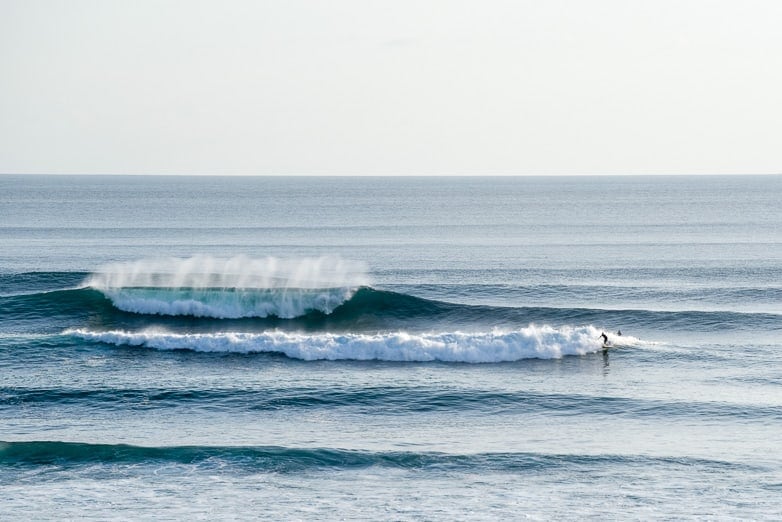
<point x="229" y="303"/>
<point x="361" y="310"/>
<point x="533" y="342"/>
<point x="230" y="288"/>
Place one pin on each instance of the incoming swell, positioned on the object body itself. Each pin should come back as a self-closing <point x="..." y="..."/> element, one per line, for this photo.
<point x="36" y="282"/>
<point x="252" y="459"/>
<point x="385" y="400"/>
<point x="366" y="310"/>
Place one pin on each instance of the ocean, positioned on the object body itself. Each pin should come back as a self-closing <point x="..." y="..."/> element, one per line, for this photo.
<point x="390" y="348"/>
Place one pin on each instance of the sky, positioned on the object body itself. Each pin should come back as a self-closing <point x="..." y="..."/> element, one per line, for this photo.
<point x="370" y="87"/>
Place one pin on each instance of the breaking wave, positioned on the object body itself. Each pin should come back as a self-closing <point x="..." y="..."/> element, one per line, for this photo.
<point x="532" y="342"/>
<point x="230" y="288"/>
<point x="229" y="303"/>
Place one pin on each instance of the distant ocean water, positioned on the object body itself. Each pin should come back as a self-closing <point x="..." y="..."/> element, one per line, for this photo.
<point x="390" y="348"/>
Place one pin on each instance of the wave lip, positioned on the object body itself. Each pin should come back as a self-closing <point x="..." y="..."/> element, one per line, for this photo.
<point x="533" y="342"/>
<point x="230" y="288"/>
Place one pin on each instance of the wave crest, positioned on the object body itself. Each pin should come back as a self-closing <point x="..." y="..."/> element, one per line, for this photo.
<point x="533" y="342"/>
<point x="230" y="288"/>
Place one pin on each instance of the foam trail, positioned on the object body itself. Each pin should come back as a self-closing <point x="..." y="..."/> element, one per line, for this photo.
<point x="234" y="287"/>
<point x="533" y="342"/>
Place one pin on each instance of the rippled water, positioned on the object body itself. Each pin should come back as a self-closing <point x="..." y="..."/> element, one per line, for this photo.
<point x="390" y="348"/>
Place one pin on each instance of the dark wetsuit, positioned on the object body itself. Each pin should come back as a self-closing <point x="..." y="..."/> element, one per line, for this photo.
<point x="604" y="337"/>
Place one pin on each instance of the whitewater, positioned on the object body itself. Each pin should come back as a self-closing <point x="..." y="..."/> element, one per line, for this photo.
<point x="532" y="342"/>
<point x="390" y="348"/>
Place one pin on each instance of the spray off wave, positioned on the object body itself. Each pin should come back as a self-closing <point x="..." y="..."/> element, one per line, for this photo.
<point x="533" y="342"/>
<point x="230" y="288"/>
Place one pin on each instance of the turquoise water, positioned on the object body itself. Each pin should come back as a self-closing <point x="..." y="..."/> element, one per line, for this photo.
<point x="390" y="348"/>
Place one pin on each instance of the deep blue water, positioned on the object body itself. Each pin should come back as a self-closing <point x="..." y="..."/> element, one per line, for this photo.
<point x="390" y="348"/>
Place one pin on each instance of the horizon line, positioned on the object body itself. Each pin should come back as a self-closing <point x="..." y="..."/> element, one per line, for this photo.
<point x="306" y="175"/>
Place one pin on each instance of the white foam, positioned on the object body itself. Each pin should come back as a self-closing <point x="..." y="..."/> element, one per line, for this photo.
<point x="234" y="287"/>
<point x="540" y="342"/>
<point x="627" y="341"/>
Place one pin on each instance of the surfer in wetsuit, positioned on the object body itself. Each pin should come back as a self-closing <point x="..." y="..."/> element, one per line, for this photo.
<point x="619" y="332"/>
<point x="604" y="337"/>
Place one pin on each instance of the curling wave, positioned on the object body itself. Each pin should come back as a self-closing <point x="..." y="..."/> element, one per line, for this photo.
<point x="230" y="288"/>
<point x="229" y="303"/>
<point x="533" y="342"/>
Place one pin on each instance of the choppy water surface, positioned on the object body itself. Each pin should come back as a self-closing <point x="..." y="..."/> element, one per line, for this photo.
<point x="390" y="348"/>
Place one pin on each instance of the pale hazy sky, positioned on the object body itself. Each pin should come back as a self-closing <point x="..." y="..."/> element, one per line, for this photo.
<point x="391" y="87"/>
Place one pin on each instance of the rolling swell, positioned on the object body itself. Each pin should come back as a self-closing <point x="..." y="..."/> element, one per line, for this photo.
<point x="55" y="309"/>
<point x="368" y="309"/>
<point x="277" y="459"/>
<point x="397" y="400"/>
<point x="36" y="282"/>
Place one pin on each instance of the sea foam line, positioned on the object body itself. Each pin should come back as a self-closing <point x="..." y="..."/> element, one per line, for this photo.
<point x="533" y="342"/>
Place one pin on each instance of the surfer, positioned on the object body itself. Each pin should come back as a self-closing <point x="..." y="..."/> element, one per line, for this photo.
<point x="604" y="337"/>
<point x="619" y="333"/>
